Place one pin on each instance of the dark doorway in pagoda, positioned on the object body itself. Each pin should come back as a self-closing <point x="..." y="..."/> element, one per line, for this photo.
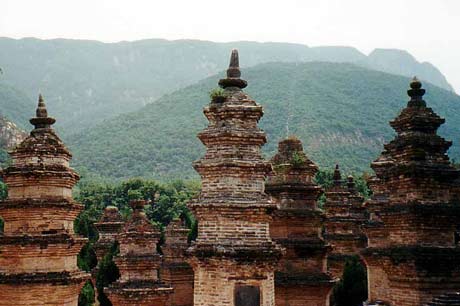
<point x="247" y="295"/>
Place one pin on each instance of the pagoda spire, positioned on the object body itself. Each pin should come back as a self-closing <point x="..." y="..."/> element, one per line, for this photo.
<point x="233" y="73"/>
<point x="337" y="178"/>
<point x="416" y="93"/>
<point x="42" y="121"/>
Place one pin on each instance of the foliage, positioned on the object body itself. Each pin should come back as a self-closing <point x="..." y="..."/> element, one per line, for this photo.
<point x="86" y="297"/>
<point x="324" y="178"/>
<point x="339" y="111"/>
<point x="352" y="288"/>
<point x="217" y="95"/>
<point x="297" y="160"/>
<point x="107" y="274"/>
<point x="168" y="201"/>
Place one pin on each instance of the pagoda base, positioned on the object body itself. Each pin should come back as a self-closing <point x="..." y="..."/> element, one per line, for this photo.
<point x="224" y="282"/>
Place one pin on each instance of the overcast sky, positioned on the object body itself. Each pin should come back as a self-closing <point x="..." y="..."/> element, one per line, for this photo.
<point x="428" y="29"/>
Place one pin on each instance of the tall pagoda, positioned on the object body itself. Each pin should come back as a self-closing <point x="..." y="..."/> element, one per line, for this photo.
<point x="233" y="257"/>
<point x="413" y="253"/>
<point x="38" y="249"/>
<point x="345" y="214"/>
<point x="301" y="278"/>
<point x="139" y="262"/>
<point x="175" y="269"/>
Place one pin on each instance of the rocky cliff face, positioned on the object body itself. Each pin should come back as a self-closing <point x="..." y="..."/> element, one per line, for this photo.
<point x="10" y="134"/>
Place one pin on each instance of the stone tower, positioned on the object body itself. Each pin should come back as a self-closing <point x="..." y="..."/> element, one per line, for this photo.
<point x="234" y="257"/>
<point x="301" y="278"/>
<point x="413" y="252"/>
<point x="38" y="249"/>
<point x="345" y="214"/>
<point x="139" y="262"/>
<point x="108" y="228"/>
<point x="175" y="270"/>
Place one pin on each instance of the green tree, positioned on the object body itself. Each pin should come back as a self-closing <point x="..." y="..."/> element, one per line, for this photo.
<point x="352" y="288"/>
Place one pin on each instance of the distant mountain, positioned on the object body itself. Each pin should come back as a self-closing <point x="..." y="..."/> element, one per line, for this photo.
<point x="340" y="112"/>
<point x="85" y="82"/>
<point x="15" y="105"/>
<point x="10" y="136"/>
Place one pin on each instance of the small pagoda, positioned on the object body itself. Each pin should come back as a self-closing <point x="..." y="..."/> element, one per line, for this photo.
<point x="233" y="257"/>
<point x="108" y="228"/>
<point x="344" y="216"/>
<point x="175" y="269"/>
<point x="301" y="277"/>
<point x="38" y="248"/>
<point x="139" y="263"/>
<point x="413" y="253"/>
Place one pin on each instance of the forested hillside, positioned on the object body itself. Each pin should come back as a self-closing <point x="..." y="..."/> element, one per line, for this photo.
<point x="15" y="105"/>
<point x="339" y="111"/>
<point x="85" y="82"/>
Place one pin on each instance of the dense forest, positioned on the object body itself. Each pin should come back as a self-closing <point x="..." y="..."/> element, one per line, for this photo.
<point x="339" y="111"/>
<point x="73" y="74"/>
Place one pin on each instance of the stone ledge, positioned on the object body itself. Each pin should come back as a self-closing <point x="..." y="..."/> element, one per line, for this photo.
<point x="56" y="278"/>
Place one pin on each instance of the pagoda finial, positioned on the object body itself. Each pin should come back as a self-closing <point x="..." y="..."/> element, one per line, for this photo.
<point x="351" y="184"/>
<point x="233" y="70"/>
<point x="41" y="111"/>
<point x="337" y="178"/>
<point x="416" y="93"/>
<point x="233" y="73"/>
<point x="42" y="120"/>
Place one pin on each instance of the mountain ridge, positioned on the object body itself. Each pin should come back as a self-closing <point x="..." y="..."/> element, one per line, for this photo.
<point x="339" y="111"/>
<point x="88" y="81"/>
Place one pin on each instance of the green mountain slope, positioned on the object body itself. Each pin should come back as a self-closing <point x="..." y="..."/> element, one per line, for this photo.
<point x="339" y="111"/>
<point x="88" y="81"/>
<point x="15" y="105"/>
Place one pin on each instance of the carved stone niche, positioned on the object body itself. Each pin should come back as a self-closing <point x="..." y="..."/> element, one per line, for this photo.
<point x="247" y="295"/>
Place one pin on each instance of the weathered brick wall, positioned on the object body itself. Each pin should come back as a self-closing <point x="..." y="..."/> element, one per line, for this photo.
<point x="215" y="282"/>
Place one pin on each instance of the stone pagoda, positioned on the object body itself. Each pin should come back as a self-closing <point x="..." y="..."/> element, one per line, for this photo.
<point x="301" y="278"/>
<point x="234" y="257"/>
<point x="139" y="263"/>
<point x="38" y="249"/>
<point x="175" y="269"/>
<point x="413" y="252"/>
<point x="344" y="216"/>
<point x="108" y="228"/>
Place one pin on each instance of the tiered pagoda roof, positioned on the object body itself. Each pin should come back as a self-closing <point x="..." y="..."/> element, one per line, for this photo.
<point x="297" y="226"/>
<point x="139" y="263"/>
<point x="38" y="262"/>
<point x="415" y="210"/>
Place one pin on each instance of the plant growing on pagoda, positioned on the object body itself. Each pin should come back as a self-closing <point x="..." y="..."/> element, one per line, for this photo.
<point x="217" y="95"/>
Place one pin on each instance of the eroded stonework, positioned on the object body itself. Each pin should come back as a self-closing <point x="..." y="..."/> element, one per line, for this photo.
<point x="233" y="254"/>
<point x="139" y="263"/>
<point x="345" y="214"/>
<point x="413" y="252"/>
<point x="175" y="269"/>
<point x="38" y="248"/>
<point x="301" y="278"/>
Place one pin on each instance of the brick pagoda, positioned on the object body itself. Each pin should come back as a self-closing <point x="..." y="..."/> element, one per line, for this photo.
<point x="175" y="269"/>
<point x="139" y="263"/>
<point x="38" y="249"/>
<point x="413" y="253"/>
<point x="234" y="257"/>
<point x="108" y="228"/>
<point x="301" y="278"/>
<point x="344" y="216"/>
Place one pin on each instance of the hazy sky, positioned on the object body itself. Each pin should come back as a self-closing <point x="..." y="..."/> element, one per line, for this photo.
<point x="428" y="29"/>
